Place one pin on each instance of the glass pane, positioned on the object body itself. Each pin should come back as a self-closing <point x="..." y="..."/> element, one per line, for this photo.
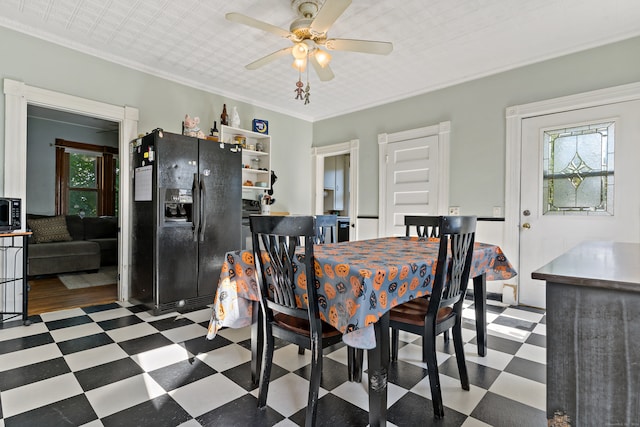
<point x="83" y="203"/>
<point x="578" y="170"/>
<point x="82" y="171"/>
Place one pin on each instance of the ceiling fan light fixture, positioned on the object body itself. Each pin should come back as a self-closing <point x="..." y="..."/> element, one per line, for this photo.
<point x="322" y="57"/>
<point x="300" y="51"/>
<point x="300" y="64"/>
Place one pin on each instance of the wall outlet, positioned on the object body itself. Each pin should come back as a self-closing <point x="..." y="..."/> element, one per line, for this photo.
<point x="497" y="212"/>
<point x="454" y="210"/>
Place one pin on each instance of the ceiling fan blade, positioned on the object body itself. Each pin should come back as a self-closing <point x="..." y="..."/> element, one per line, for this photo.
<point x="327" y="15"/>
<point x="252" y="22"/>
<point x="364" y="46"/>
<point x="324" y="73"/>
<point x="269" y="58"/>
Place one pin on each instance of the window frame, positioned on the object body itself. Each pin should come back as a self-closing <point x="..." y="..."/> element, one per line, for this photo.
<point x="105" y="182"/>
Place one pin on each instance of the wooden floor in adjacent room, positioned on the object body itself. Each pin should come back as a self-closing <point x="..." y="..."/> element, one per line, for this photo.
<point x="49" y="294"/>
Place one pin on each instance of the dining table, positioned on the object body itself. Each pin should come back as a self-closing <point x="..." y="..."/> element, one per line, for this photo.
<point x="358" y="282"/>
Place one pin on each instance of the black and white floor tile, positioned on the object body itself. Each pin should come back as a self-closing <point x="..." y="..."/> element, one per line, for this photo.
<point x="117" y="365"/>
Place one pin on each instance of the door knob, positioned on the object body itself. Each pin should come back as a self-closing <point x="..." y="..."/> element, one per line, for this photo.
<point x="526" y="225"/>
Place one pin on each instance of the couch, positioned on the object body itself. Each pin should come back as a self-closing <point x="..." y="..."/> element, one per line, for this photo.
<point x="64" y="244"/>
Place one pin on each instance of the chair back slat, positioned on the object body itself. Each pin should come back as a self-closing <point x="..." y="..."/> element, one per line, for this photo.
<point x="424" y="226"/>
<point x="326" y="229"/>
<point x="457" y="236"/>
<point x="275" y="240"/>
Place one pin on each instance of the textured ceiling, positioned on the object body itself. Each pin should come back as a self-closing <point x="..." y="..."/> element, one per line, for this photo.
<point x="437" y="43"/>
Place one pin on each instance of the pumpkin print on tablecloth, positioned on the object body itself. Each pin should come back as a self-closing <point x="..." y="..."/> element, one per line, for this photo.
<point x="365" y="273"/>
<point x="382" y="298"/>
<point x="357" y="287"/>
<point x="322" y="301"/>
<point x="302" y="281"/>
<point x="329" y="271"/>
<point x="341" y="288"/>
<point x="318" y="269"/>
<point x="333" y="315"/>
<point x="370" y="319"/>
<point x="393" y="272"/>
<point x="378" y="279"/>
<point x="342" y="270"/>
<point x="414" y="283"/>
<point x="329" y="291"/>
<point x="404" y="272"/>
<point x="402" y="289"/>
<point x="239" y="270"/>
<point x="247" y="257"/>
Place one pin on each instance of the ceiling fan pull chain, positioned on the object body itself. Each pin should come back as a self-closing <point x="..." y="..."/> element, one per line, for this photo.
<point x="307" y="90"/>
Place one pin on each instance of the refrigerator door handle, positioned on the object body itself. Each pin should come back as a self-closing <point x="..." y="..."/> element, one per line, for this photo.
<point x="203" y="200"/>
<point x="195" y="224"/>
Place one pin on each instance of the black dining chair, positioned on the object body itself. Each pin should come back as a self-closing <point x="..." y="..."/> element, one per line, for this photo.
<point x="326" y="229"/>
<point x="443" y="310"/>
<point x="424" y="226"/>
<point x="275" y="239"/>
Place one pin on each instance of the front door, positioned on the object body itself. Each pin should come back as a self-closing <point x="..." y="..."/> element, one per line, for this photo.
<point x="578" y="183"/>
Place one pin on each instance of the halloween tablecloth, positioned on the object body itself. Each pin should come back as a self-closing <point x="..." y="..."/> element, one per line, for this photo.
<point x="358" y="282"/>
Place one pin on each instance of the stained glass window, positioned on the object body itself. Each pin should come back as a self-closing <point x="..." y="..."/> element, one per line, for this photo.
<point x="578" y="170"/>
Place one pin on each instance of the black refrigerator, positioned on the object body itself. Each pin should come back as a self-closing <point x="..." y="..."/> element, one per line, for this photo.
<point x="186" y="214"/>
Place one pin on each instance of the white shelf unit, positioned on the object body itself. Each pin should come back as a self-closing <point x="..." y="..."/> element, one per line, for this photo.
<point x="256" y="165"/>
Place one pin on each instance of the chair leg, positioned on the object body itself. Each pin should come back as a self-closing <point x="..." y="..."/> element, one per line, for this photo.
<point x="429" y="352"/>
<point x="354" y="363"/>
<point x="265" y="368"/>
<point x="256" y="342"/>
<point x="459" y="348"/>
<point x="395" y="340"/>
<point x="446" y="335"/>
<point x="300" y="349"/>
<point x="314" y="382"/>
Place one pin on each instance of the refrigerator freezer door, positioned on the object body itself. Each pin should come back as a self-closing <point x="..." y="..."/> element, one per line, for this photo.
<point x="221" y="207"/>
<point x="177" y="256"/>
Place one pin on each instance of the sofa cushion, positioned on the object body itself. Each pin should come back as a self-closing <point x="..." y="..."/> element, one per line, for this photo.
<point x="52" y="229"/>
<point x="63" y="257"/>
<point x="75" y="225"/>
<point x="101" y="227"/>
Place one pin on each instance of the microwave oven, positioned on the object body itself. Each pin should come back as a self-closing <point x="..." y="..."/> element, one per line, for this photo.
<point x="10" y="214"/>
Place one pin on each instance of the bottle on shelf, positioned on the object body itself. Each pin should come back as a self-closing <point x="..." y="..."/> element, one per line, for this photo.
<point x="214" y="132"/>
<point x="224" y="117"/>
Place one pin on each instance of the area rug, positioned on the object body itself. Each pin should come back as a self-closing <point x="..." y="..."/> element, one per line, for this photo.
<point x="105" y="276"/>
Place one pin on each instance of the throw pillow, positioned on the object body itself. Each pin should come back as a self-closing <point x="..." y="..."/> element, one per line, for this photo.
<point x="51" y="229"/>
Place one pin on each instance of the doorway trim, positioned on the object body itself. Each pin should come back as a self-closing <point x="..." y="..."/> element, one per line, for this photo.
<point x="443" y="131"/>
<point x="514" y="117"/>
<point x="318" y="154"/>
<point x="17" y="96"/>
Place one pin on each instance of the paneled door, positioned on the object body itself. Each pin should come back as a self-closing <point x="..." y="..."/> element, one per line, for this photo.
<point x="579" y="182"/>
<point x="414" y="176"/>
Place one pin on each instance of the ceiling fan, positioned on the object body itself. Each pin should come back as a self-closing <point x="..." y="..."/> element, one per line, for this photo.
<point x="308" y="32"/>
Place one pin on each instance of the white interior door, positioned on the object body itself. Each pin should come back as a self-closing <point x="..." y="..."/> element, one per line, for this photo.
<point x="578" y="183"/>
<point x="412" y="181"/>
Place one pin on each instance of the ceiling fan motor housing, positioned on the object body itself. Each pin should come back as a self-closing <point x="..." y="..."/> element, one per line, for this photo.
<point x="306" y="8"/>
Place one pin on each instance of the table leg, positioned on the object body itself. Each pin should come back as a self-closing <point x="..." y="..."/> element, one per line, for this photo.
<point x="378" y="359"/>
<point x="480" y="303"/>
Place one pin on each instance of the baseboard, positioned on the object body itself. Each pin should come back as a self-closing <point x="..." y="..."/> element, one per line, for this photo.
<point x="494" y="296"/>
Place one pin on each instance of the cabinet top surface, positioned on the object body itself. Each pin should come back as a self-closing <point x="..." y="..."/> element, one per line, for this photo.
<point x="16" y="234"/>
<point x="610" y="265"/>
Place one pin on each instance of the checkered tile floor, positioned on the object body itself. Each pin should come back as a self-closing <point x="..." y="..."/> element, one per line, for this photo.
<point x="116" y="365"/>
